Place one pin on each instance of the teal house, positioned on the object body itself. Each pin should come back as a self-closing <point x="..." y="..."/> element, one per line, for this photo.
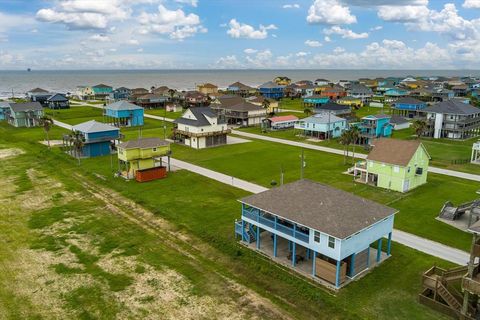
<point x="328" y="235"/>
<point x="24" y="114"/>
<point x="408" y="107"/>
<point x="322" y="126"/>
<point x="123" y="113"/>
<point x="101" y="91"/>
<point x="374" y="126"/>
<point x="396" y="93"/>
<point x="4" y="107"/>
<point x="99" y="138"/>
<point x="315" y="101"/>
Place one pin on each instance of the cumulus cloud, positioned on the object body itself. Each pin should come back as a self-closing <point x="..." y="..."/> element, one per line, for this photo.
<point x="176" y="23"/>
<point x="329" y="12"/>
<point x="302" y="54"/>
<point x="403" y="13"/>
<point x="85" y="14"/>
<point x="291" y="6"/>
<point x="345" y="33"/>
<point x="471" y="4"/>
<point x="242" y="30"/>
<point x="250" y="51"/>
<point x="327" y="39"/>
<point x="193" y="3"/>
<point x="228" y="62"/>
<point x="99" y="38"/>
<point x="313" y="43"/>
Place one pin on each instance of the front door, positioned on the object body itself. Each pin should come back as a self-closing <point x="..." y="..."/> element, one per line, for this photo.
<point x="406" y="185"/>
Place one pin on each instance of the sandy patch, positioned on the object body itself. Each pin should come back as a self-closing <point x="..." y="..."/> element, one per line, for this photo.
<point x="53" y="143"/>
<point x="10" y="153"/>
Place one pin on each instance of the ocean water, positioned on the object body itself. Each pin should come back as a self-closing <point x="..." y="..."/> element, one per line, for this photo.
<point x="19" y="82"/>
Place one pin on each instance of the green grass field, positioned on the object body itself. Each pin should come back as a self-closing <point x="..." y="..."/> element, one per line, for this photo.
<point x="162" y="113"/>
<point x="82" y="246"/>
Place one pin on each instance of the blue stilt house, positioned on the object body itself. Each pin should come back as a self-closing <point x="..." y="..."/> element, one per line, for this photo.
<point x="271" y="90"/>
<point x="408" y="107"/>
<point x="324" y="233"/>
<point x="374" y="126"/>
<point x="99" y="138"/>
<point x="123" y="113"/>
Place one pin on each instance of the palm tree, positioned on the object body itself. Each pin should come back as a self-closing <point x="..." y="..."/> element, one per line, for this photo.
<point x="419" y="126"/>
<point x="307" y="111"/>
<point x="47" y="123"/>
<point x="354" y="134"/>
<point x="266" y="103"/>
<point x="345" y="140"/>
<point x="78" y="141"/>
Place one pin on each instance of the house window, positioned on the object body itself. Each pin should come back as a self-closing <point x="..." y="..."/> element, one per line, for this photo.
<point x="396" y="169"/>
<point x="331" y="242"/>
<point x="316" y="237"/>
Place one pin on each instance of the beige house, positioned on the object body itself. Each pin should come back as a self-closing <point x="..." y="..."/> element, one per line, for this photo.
<point x="207" y="88"/>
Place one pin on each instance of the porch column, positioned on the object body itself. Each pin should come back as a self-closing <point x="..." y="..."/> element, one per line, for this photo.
<point x="313" y="263"/>
<point x="389" y="243"/>
<point x="337" y="277"/>
<point x="274" y="245"/>
<point x="243" y="230"/>
<point x="294" y="249"/>
<point x="258" y="238"/>
<point x="368" y="256"/>
<point x="352" y="265"/>
<point x="379" y="249"/>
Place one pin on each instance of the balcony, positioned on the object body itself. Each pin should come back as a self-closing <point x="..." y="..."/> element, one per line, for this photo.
<point x="202" y="134"/>
<point x="271" y="223"/>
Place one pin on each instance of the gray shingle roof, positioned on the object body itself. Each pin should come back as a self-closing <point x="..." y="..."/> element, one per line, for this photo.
<point x="453" y="107"/>
<point x="199" y="113"/>
<point x="27" y="106"/>
<point x="321" y="207"/>
<point x="122" y="105"/>
<point x="331" y="106"/>
<point x="57" y="97"/>
<point x="408" y="100"/>
<point x="270" y="85"/>
<point x="144" y="143"/>
<point x="93" y="126"/>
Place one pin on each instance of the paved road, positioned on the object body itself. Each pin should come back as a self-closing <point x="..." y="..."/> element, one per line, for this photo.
<point x="452" y="173"/>
<point x="62" y="124"/>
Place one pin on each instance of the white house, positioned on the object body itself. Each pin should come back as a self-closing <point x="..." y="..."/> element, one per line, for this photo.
<point x="200" y="128"/>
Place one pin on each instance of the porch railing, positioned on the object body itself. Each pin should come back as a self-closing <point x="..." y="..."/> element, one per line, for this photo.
<point x="252" y="214"/>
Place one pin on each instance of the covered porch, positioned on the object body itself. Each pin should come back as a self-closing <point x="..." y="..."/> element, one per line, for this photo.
<point x="313" y="265"/>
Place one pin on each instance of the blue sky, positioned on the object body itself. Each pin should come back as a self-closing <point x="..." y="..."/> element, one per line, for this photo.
<point x="233" y="34"/>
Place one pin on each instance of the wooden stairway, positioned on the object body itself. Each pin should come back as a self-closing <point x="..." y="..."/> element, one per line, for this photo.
<point x="448" y="297"/>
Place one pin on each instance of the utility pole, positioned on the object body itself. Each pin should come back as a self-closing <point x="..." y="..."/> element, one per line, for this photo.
<point x="281" y="175"/>
<point x="302" y="157"/>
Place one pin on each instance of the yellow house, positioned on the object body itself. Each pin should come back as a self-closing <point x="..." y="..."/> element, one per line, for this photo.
<point x="142" y="154"/>
<point x="350" y="101"/>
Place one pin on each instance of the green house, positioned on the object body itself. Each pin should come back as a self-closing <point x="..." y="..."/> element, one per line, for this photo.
<point x="393" y="164"/>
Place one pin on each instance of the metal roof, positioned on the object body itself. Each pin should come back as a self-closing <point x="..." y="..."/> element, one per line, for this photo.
<point x="93" y="126"/>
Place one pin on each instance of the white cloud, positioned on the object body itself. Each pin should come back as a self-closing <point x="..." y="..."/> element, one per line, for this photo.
<point x="345" y="33"/>
<point x="86" y="14"/>
<point x="176" y="23"/>
<point x="228" y="62"/>
<point x="242" y="30"/>
<point x="140" y="50"/>
<point x="262" y="59"/>
<point x="377" y="28"/>
<point x="329" y="12"/>
<point x="250" y="51"/>
<point x="471" y="4"/>
<point x="193" y="3"/>
<point x="338" y="50"/>
<point x="313" y="43"/>
<point x="99" y="38"/>
<point x="327" y="39"/>
<point x="291" y="6"/>
<point x="302" y="54"/>
<point x="403" y="13"/>
<point x="133" y="42"/>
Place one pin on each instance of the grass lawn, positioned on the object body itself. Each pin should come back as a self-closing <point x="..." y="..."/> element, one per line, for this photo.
<point x="261" y="162"/>
<point x="89" y="262"/>
<point x="291" y="104"/>
<point x="162" y="113"/>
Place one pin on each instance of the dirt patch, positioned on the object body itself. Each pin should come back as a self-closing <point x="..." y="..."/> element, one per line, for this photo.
<point x="53" y="143"/>
<point x="10" y="153"/>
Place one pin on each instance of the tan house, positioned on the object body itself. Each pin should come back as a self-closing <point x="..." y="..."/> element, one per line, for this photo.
<point x="207" y="88"/>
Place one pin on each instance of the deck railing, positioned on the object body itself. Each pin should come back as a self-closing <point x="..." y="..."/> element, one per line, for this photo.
<point x="254" y="215"/>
